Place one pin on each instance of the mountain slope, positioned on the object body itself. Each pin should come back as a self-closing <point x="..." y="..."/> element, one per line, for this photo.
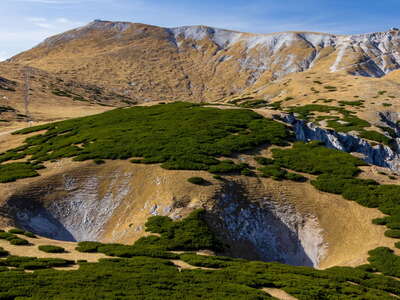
<point x="274" y="200"/>
<point x="204" y="63"/>
<point x="253" y="210"/>
<point x="50" y="97"/>
<point x="266" y="193"/>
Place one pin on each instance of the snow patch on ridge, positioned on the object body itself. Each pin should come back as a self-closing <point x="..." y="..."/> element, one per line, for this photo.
<point x="273" y="42"/>
<point x="319" y="39"/>
<point x="223" y="38"/>
<point x="339" y="58"/>
<point x="374" y="54"/>
<point x="378" y="49"/>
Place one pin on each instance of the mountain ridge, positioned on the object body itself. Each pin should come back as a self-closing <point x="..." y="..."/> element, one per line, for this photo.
<point x="203" y="63"/>
<point x="122" y="25"/>
<point x="198" y="32"/>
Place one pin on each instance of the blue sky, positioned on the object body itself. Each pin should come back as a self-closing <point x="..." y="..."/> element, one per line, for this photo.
<point x="24" y="23"/>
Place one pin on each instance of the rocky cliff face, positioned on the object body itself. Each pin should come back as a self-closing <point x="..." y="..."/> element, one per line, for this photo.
<point x="379" y="155"/>
<point x="78" y="212"/>
<point x="256" y="218"/>
<point x="111" y="204"/>
<point x="79" y="216"/>
<point x="101" y="203"/>
<point x="267" y="229"/>
<point x="99" y="208"/>
<point x="204" y="63"/>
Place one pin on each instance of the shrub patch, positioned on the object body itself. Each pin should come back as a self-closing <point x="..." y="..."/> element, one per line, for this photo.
<point x="178" y="135"/>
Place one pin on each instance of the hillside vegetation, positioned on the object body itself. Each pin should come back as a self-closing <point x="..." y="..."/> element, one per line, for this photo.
<point x="337" y="173"/>
<point x="193" y="137"/>
<point x="51" y="97"/>
<point x="179" y="136"/>
<point x="146" y="271"/>
<point x="346" y="84"/>
<point x="346" y="123"/>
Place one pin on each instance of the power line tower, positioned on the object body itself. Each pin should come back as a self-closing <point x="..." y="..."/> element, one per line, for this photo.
<point x="27" y="89"/>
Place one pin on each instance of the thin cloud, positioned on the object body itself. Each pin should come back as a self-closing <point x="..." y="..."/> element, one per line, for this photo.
<point x="35" y="20"/>
<point x="63" y="20"/>
<point x="52" y="1"/>
<point x="28" y="22"/>
<point x="55" y="24"/>
<point x="3" y="56"/>
<point x="34" y="30"/>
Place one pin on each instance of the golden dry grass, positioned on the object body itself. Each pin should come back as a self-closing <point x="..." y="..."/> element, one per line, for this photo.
<point x="347" y="227"/>
<point x="279" y="294"/>
<point x="44" y="105"/>
<point x="33" y="250"/>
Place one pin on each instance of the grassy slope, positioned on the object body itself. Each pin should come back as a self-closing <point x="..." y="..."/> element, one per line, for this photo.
<point x="52" y="97"/>
<point x="352" y="99"/>
<point x="346" y="123"/>
<point x="146" y="272"/>
<point x="180" y="136"/>
<point x="228" y="131"/>
<point x="338" y="174"/>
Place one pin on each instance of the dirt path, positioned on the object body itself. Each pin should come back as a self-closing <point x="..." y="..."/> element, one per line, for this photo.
<point x="33" y="250"/>
<point x="280" y="294"/>
<point x="183" y="265"/>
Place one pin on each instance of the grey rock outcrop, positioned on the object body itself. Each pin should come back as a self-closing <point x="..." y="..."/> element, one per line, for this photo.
<point x="380" y="155"/>
<point x="266" y="229"/>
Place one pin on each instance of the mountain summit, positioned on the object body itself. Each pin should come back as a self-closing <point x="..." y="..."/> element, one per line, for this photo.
<point x="201" y="62"/>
